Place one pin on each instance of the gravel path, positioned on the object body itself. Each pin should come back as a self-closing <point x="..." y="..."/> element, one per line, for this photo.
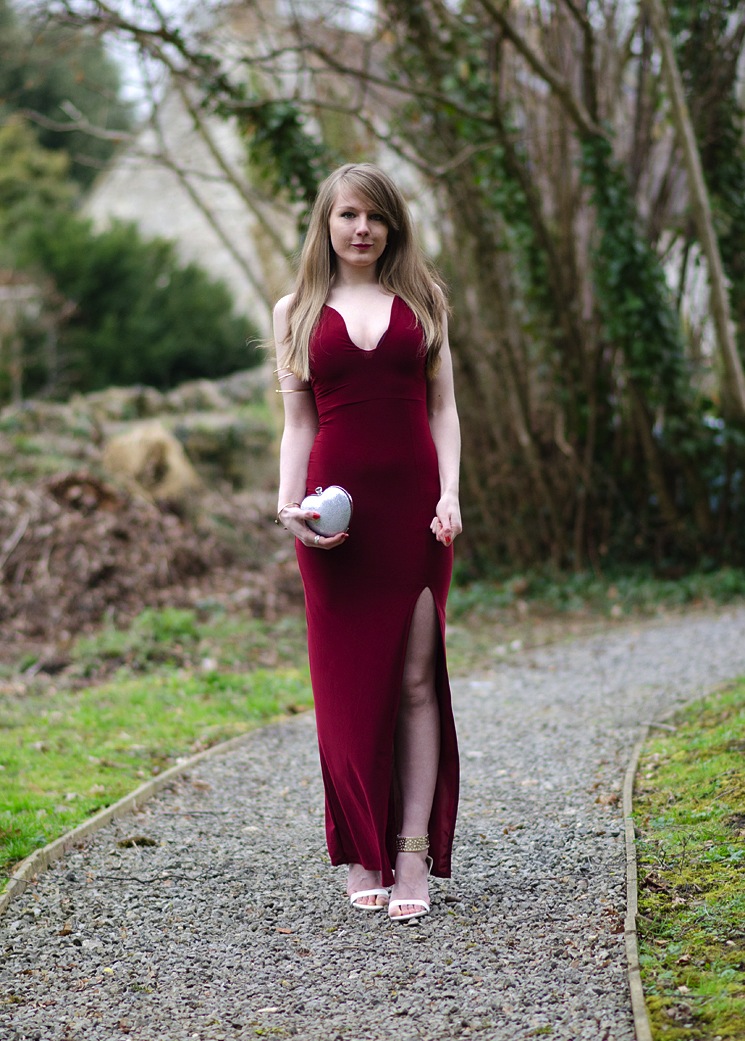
<point x="233" y="925"/>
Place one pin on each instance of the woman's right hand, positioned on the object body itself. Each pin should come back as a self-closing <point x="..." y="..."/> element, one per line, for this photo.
<point x="293" y="518"/>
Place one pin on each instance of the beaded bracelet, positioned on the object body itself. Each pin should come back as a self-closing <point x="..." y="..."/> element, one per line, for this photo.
<point x="276" y="519"/>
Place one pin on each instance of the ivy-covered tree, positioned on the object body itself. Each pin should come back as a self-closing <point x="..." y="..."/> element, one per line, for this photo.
<point x="708" y="39"/>
<point x="593" y="422"/>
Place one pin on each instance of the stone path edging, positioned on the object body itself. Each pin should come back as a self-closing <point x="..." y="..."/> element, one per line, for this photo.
<point x="642" y="1027"/>
<point x="41" y="859"/>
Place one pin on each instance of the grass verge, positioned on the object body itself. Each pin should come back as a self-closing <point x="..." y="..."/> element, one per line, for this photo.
<point x="64" y="754"/>
<point x="633" y="592"/>
<point x="489" y="621"/>
<point x="689" y="809"/>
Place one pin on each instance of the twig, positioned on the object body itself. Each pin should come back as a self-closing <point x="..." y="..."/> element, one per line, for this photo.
<point x="76" y="123"/>
<point x="12" y="541"/>
<point x="192" y="813"/>
<point x="146" y="881"/>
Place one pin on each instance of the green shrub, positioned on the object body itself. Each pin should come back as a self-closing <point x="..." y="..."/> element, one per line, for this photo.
<point x="139" y="316"/>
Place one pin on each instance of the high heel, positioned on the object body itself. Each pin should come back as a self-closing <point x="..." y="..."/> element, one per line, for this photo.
<point x="409" y="844"/>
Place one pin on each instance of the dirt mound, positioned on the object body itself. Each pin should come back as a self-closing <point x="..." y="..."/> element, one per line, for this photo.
<point x="76" y="552"/>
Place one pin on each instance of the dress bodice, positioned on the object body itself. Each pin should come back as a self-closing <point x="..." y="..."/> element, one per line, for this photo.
<point x="343" y="374"/>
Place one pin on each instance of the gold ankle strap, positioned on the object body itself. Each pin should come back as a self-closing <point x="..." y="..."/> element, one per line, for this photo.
<point x="417" y="844"/>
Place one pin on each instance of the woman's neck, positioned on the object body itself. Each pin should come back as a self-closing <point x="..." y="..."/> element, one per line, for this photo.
<point x="353" y="278"/>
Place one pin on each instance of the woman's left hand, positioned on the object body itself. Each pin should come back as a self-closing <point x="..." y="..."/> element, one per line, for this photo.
<point x="446" y="524"/>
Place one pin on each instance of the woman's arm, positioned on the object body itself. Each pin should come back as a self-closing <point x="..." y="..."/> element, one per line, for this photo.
<point x="445" y="427"/>
<point x="301" y="419"/>
<point x="300" y="429"/>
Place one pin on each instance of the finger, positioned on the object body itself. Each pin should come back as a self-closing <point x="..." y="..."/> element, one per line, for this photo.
<point x="328" y="542"/>
<point x="444" y="536"/>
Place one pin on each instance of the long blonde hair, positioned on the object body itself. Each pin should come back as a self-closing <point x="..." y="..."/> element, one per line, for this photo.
<point x="402" y="269"/>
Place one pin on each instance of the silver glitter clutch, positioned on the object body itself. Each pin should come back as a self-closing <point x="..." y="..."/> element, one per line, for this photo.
<point x="335" y="506"/>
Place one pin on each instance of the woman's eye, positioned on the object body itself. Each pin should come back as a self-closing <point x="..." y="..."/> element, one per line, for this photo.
<point x="377" y="216"/>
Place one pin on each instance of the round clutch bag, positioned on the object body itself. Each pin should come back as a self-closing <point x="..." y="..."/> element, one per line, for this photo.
<point x="335" y="507"/>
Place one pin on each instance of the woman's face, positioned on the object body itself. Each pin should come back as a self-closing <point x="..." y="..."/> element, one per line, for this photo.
<point x="358" y="233"/>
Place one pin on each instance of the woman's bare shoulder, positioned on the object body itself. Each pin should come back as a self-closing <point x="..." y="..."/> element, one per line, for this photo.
<point x="282" y="306"/>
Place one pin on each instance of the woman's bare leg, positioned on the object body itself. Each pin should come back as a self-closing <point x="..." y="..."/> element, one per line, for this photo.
<point x="417" y="749"/>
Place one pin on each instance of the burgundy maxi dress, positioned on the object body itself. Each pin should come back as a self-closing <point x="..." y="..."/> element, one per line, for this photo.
<point x="374" y="439"/>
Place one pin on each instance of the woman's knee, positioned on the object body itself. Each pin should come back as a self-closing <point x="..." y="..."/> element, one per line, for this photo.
<point x="418" y="688"/>
<point x="418" y="683"/>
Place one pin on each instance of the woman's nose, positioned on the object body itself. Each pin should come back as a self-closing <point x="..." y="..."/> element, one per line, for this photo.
<point x="362" y="226"/>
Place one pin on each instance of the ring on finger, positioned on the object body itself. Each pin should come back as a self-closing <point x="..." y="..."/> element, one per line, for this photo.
<point x="317" y="539"/>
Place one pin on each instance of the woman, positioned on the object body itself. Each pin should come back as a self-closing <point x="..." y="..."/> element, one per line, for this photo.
<point x="365" y="369"/>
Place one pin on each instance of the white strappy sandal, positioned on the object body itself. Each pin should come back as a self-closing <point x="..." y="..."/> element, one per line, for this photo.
<point x="356" y="897"/>
<point x="406" y="844"/>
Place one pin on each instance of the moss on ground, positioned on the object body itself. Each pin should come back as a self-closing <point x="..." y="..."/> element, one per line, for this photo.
<point x="689" y="809"/>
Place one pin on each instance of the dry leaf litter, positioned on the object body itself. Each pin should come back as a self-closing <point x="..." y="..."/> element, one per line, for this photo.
<point x="76" y="552"/>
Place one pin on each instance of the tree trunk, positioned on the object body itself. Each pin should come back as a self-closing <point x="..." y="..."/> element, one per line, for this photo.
<point x="734" y="393"/>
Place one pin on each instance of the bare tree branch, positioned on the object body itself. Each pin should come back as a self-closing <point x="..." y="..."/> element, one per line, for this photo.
<point x="581" y="117"/>
<point x="77" y="122"/>
<point x="165" y="157"/>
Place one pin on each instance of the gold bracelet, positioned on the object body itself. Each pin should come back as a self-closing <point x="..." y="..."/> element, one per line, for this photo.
<point x="409" y="844"/>
<point x="277" y="520"/>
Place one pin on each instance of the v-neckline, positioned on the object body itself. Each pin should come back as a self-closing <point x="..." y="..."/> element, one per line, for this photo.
<point x="365" y="350"/>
